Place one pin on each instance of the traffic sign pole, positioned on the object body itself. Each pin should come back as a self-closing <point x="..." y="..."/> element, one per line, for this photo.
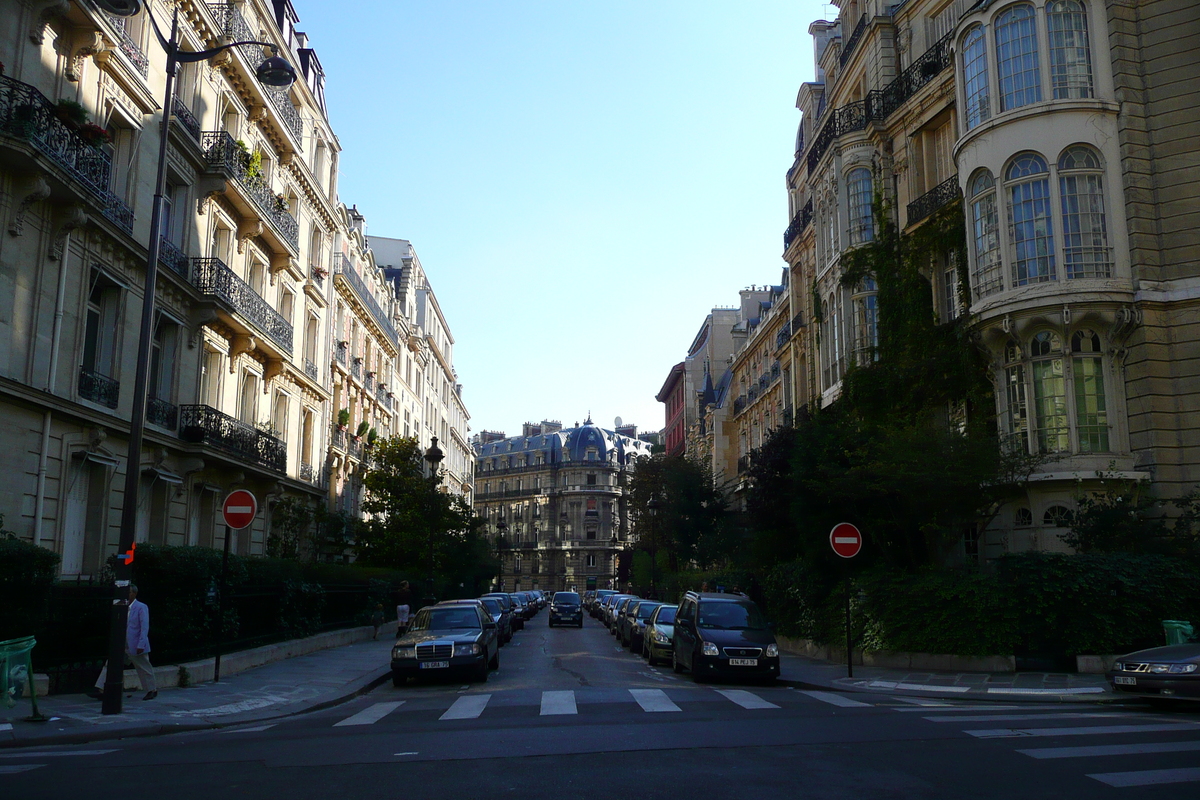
<point x="846" y="541"/>
<point x="239" y="510"/>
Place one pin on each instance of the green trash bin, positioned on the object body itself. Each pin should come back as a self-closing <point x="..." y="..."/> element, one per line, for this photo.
<point x="1178" y="631"/>
<point x="16" y="672"/>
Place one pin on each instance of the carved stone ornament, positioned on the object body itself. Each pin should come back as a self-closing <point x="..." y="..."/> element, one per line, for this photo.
<point x="248" y="229"/>
<point x="43" y="12"/>
<point x="83" y="44"/>
<point x="201" y="317"/>
<point x="72" y="217"/>
<point x="240" y="344"/>
<point x="28" y="191"/>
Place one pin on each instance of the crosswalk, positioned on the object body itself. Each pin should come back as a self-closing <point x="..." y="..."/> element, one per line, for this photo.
<point x="42" y="756"/>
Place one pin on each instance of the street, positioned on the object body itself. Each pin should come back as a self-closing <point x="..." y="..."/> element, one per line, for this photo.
<point x="569" y="714"/>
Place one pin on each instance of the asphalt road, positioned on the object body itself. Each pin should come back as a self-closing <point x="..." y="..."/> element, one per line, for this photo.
<point x="571" y="715"/>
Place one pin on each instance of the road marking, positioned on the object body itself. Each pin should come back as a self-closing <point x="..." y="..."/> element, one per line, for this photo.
<point x="835" y="699"/>
<point x="921" y="701"/>
<point x="469" y="706"/>
<point x="916" y="687"/>
<point x="745" y="699"/>
<point x="1015" y="717"/>
<point x="1079" y="690"/>
<point x="371" y="714"/>
<point x="977" y="707"/>
<point x="7" y="726"/>
<point x="1000" y="733"/>
<point x="558" y="703"/>
<point x="1112" y="750"/>
<point x="412" y="753"/>
<point x="55" y="753"/>
<point x="1148" y="777"/>
<point x="653" y="700"/>
<point x="255" y="729"/>
<point x="19" y="768"/>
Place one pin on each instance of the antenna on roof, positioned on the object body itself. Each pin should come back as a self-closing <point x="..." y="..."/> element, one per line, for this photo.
<point x="617" y="422"/>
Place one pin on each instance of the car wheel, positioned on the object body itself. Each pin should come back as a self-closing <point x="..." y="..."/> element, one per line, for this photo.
<point x="398" y="680"/>
<point x="581" y="623"/>
<point x="676" y="667"/>
<point x="495" y="662"/>
<point x="481" y="673"/>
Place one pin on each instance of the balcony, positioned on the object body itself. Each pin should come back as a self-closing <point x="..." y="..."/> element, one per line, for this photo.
<point x="119" y="213"/>
<point x="356" y="368"/>
<point x="799" y="222"/>
<point x="317" y="275"/>
<point x="339" y="438"/>
<point x="129" y="48"/>
<point x="98" y="388"/>
<point x="184" y="116"/>
<point x="312" y="370"/>
<point x="784" y="335"/>
<point x="938" y="197"/>
<point x="26" y="114"/>
<point x="852" y="42"/>
<point x="341" y="353"/>
<point x="342" y="267"/>
<point x="212" y="277"/>
<point x="356" y="448"/>
<point x="369" y="383"/>
<point x="312" y="474"/>
<point x="162" y="413"/>
<point x="287" y="112"/>
<point x="223" y="156"/>
<point x="743" y="464"/>
<point x="173" y="258"/>
<point x="739" y="405"/>
<point x="208" y="426"/>
<point x="384" y="398"/>
<point x="797" y="322"/>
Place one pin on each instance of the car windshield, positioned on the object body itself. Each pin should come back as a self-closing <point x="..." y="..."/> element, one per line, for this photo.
<point x="443" y="619"/>
<point x="731" y="616"/>
<point x="666" y="616"/>
<point x="645" y="610"/>
<point x="492" y="605"/>
<point x="566" y="598"/>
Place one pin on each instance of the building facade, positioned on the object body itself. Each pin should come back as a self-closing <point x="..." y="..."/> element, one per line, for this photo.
<point x="555" y="503"/>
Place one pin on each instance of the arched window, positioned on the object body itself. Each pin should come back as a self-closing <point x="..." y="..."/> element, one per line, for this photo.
<point x="1085" y="235"/>
<point x="1022" y="517"/>
<point x="866" y="321"/>
<point x="1091" y="412"/>
<point x="1017" y="58"/>
<point x="985" y="234"/>
<point x="862" y="228"/>
<point x="1051" y="424"/>
<point x="975" y="77"/>
<point x="1032" y="239"/>
<point x="1016" y="408"/>
<point x="1057" y="517"/>
<point x="1070" y="60"/>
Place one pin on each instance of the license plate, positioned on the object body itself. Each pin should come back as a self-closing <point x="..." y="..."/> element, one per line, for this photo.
<point x="435" y="665"/>
<point x="743" y="662"/>
<point x="1123" y="681"/>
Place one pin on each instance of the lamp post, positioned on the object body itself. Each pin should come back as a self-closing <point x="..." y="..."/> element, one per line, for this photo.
<point x="434" y="456"/>
<point x="274" y="71"/>
<point x="653" y="505"/>
<point x="501" y="546"/>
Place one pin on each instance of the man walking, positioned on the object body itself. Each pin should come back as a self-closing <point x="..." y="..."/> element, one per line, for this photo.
<point x="137" y="648"/>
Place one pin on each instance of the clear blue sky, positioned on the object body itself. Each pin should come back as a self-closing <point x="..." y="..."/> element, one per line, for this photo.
<point x="582" y="180"/>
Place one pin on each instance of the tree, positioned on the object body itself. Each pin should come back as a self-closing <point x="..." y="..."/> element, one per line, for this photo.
<point x="291" y="519"/>
<point x="417" y="527"/>
<point x="1124" y="517"/>
<point x="690" y="521"/>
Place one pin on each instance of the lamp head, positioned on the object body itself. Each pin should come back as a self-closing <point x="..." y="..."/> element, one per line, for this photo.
<point x="276" y="71"/>
<point x="120" y="8"/>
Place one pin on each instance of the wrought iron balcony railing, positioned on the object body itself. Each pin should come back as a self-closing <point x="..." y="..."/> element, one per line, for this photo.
<point x="212" y="277"/>
<point x="26" y="114"/>
<point x="317" y="274"/>
<point x="739" y="405"/>
<point x="797" y="321"/>
<point x="207" y="425"/>
<point x="313" y="474"/>
<point x="131" y="49"/>
<point x="343" y="267"/>
<point x="185" y="117"/>
<point x="941" y="195"/>
<point x="221" y="152"/>
<point x="116" y="210"/>
<point x="356" y="448"/>
<point x="369" y="382"/>
<point x="287" y="112"/>
<point x="312" y="370"/>
<point x="172" y="257"/>
<point x="784" y="335"/>
<point x="356" y="368"/>
<point x="231" y="23"/>
<point x="99" y="388"/>
<point x="799" y="222"/>
<point x="381" y="394"/>
<point x="852" y="42"/>
<point x="339" y="438"/>
<point x="161" y="413"/>
<point x="341" y="353"/>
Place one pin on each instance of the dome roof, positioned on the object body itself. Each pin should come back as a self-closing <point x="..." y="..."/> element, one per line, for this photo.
<point x="588" y="442"/>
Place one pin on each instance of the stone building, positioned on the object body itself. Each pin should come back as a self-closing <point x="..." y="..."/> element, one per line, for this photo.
<point x="554" y="501"/>
<point x="1065" y="129"/>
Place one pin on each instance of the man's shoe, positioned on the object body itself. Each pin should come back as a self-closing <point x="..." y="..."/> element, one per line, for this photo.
<point x="151" y="695"/>
<point x="95" y="694"/>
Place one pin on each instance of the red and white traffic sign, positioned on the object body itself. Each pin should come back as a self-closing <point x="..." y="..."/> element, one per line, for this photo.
<point x="239" y="509"/>
<point x="845" y="540"/>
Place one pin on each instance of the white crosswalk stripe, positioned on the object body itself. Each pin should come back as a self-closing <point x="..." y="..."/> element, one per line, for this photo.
<point x="469" y="706"/>
<point x="1148" y="777"/>
<point x="835" y="699"/>
<point x="1019" y="717"/>
<point x="745" y="699"/>
<point x="653" y="700"/>
<point x="55" y="753"/>
<point x="1001" y="733"/>
<point x="19" y="768"/>
<point x="371" y="714"/>
<point x="554" y="703"/>
<point x="1106" y="750"/>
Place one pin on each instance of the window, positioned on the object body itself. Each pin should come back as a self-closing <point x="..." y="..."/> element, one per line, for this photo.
<point x="866" y="322"/>
<point x="862" y="228"/>
<point x="1017" y="58"/>
<point x="591" y="560"/>
<point x="949" y="289"/>
<point x="1049" y="393"/>
<point x="162" y="360"/>
<point x="975" y="77"/>
<point x="1057" y="517"/>
<point x="1016" y="409"/>
<point x="1085" y="237"/>
<point x="985" y="234"/>
<point x="257" y="277"/>
<point x="1070" y="61"/>
<point x="279" y="415"/>
<point x="1031" y="236"/>
<point x="100" y="327"/>
<point x="210" y="377"/>
<point x="248" y="398"/>
<point x="1022" y="517"/>
<point x="591" y="479"/>
<point x="1091" y="415"/>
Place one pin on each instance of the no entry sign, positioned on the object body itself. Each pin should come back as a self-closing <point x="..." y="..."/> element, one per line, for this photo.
<point x="845" y="540"/>
<point x="239" y="509"/>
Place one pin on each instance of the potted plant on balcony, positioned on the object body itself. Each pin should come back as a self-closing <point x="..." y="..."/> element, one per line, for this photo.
<point x="72" y="114"/>
<point x="363" y="427"/>
<point x="372" y="435"/>
<point x="343" y="419"/>
<point x="281" y="203"/>
<point x="94" y="135"/>
<point x="319" y="272"/>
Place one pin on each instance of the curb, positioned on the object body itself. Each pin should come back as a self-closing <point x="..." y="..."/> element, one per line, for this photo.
<point x="84" y="736"/>
<point x="1047" y="697"/>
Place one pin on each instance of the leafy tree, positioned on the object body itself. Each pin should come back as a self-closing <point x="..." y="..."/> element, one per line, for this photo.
<point x="291" y="521"/>
<point x="689" y="524"/>
<point x="1125" y="517"/>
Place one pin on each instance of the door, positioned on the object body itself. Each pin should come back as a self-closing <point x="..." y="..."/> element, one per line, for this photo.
<point x="74" y="520"/>
<point x="685" y="633"/>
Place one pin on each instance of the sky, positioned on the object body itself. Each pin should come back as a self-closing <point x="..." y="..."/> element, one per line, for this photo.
<point x="583" y="181"/>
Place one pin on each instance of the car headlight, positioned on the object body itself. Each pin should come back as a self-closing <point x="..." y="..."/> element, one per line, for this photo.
<point x="660" y="638"/>
<point x="710" y="649"/>
<point x="1119" y="667"/>
<point x="772" y="651"/>
<point x="1160" y="668"/>
<point x="404" y="652"/>
<point x="1183" y="668"/>
<point x="471" y="649"/>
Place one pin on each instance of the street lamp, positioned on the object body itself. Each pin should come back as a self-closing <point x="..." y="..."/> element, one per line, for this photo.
<point x="653" y="505"/>
<point x="501" y="546"/>
<point x="434" y="456"/>
<point x="274" y="71"/>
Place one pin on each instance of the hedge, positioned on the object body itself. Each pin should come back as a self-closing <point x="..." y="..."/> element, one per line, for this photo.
<point x="27" y="575"/>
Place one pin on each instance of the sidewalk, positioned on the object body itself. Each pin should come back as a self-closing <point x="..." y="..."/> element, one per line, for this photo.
<point x="1057" y="687"/>
<point x="292" y="686"/>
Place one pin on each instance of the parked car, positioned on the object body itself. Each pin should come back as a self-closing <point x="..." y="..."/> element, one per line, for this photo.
<point x="589" y="597"/>
<point x="531" y="607"/>
<point x="625" y="620"/>
<point x="598" y="600"/>
<point x="1171" y="671"/>
<point x="614" y="617"/>
<point x="501" y="616"/>
<point x="638" y="620"/>
<point x="723" y="635"/>
<point x="566" y="607"/>
<point x="517" y="619"/>
<point x="656" y="638"/>
<point x="456" y="636"/>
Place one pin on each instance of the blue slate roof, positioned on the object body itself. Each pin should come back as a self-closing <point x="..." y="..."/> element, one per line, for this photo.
<point x="569" y="445"/>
